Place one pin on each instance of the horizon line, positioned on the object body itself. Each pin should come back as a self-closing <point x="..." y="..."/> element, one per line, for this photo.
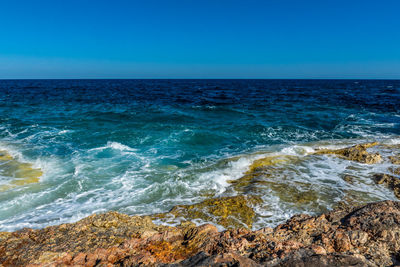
<point x="379" y="79"/>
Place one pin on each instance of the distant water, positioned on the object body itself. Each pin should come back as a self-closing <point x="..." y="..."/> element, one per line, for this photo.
<point x="143" y="146"/>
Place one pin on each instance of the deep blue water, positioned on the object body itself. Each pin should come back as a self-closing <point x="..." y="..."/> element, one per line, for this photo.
<point x="143" y="146"/>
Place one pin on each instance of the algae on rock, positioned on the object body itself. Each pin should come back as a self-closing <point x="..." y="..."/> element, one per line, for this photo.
<point x="390" y="181"/>
<point x="266" y="174"/>
<point x="259" y="172"/>
<point x="395" y="160"/>
<point x="20" y="173"/>
<point x="357" y="153"/>
<point x="262" y="163"/>
<point x="230" y="212"/>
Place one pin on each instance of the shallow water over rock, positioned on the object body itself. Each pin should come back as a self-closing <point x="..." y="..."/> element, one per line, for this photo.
<point x="15" y="173"/>
<point x="145" y="146"/>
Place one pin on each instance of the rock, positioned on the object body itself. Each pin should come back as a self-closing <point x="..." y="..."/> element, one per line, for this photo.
<point x="315" y="260"/>
<point x="348" y="236"/>
<point x="230" y="212"/>
<point x="20" y="173"/>
<point x="262" y="163"/>
<point x="97" y="231"/>
<point x="390" y="181"/>
<point x="349" y="178"/>
<point x="357" y="153"/>
<point x="267" y="174"/>
<point x="395" y="160"/>
<point x="260" y="171"/>
<point x="48" y="256"/>
<point x="318" y="250"/>
<point x="225" y="259"/>
<point x="395" y="170"/>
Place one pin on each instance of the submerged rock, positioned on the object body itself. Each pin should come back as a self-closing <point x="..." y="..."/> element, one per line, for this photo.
<point x="390" y="181"/>
<point x="259" y="172"/>
<point x="348" y="236"/>
<point x="19" y="173"/>
<point x="263" y="163"/>
<point x="230" y="212"/>
<point x="395" y="160"/>
<point x="267" y="174"/>
<point x="395" y="170"/>
<point x="357" y="153"/>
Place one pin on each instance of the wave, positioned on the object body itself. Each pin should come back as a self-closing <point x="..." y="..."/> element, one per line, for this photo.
<point x="116" y="176"/>
<point x="116" y="146"/>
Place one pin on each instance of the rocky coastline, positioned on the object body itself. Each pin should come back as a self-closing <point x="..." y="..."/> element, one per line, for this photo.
<point x="349" y="235"/>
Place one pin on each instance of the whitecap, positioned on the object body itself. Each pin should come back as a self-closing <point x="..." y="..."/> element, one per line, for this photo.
<point x="116" y="146"/>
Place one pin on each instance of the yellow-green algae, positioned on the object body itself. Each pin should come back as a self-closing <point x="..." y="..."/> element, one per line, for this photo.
<point x="259" y="170"/>
<point x="230" y="212"/>
<point x="268" y="174"/>
<point x="269" y="161"/>
<point x="395" y="159"/>
<point x="357" y="153"/>
<point x="20" y="172"/>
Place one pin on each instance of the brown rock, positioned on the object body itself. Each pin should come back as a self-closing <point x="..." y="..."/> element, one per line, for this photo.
<point x="356" y="153"/>
<point x="342" y="242"/>
<point x="230" y="212"/>
<point x="395" y="170"/>
<point x="390" y="181"/>
<point x="79" y="259"/>
<point x="395" y="160"/>
<point x="349" y="236"/>
<point x="319" y="250"/>
<point x="225" y="259"/>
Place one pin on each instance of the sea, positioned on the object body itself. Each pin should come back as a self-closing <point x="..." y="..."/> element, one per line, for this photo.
<point x="72" y="148"/>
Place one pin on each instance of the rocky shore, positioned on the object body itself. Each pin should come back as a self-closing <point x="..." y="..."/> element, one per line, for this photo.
<point x="349" y="235"/>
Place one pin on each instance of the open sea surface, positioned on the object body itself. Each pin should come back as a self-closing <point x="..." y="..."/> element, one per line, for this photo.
<point x="72" y="148"/>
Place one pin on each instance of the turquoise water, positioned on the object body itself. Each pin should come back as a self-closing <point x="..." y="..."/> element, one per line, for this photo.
<point x="143" y="146"/>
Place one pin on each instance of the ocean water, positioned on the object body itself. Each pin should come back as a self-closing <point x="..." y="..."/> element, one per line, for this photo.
<point x="72" y="148"/>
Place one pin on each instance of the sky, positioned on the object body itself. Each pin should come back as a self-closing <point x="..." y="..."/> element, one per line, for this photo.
<point x="199" y="39"/>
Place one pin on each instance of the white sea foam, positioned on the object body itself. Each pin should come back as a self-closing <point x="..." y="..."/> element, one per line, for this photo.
<point x="138" y="183"/>
<point x="234" y="170"/>
<point x="119" y="146"/>
<point x="297" y="150"/>
<point x="65" y="132"/>
<point x="392" y="141"/>
<point x="114" y="145"/>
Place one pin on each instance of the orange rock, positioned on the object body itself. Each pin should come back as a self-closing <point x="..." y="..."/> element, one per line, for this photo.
<point x="318" y="250"/>
<point x="79" y="259"/>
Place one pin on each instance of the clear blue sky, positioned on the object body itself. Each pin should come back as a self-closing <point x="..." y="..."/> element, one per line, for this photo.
<point x="200" y="39"/>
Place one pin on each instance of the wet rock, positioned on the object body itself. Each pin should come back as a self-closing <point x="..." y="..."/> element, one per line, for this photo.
<point x="250" y="182"/>
<point x="20" y="173"/>
<point x="349" y="178"/>
<point x="259" y="172"/>
<point x="391" y="146"/>
<point x="267" y="174"/>
<point x="367" y="235"/>
<point x="395" y="160"/>
<point x="262" y="163"/>
<point x="390" y="181"/>
<point x="230" y="212"/>
<point x="357" y="153"/>
<point x="395" y="170"/>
